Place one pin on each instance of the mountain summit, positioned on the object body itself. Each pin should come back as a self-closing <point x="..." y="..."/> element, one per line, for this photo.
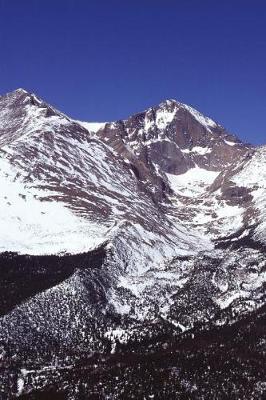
<point x="132" y="255"/>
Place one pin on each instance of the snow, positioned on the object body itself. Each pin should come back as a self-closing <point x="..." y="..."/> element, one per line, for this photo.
<point x="201" y="150"/>
<point x="92" y="126"/>
<point x="119" y="334"/>
<point x="31" y="226"/>
<point x="164" y="118"/>
<point x="38" y="220"/>
<point x="254" y="171"/>
<point x="147" y="255"/>
<point x="253" y="177"/>
<point x="156" y="140"/>
<point x="197" y="149"/>
<point x="180" y="326"/>
<point x="146" y="275"/>
<point x="228" y="298"/>
<point x="20" y="386"/>
<point x="193" y="182"/>
<point x="217" y="217"/>
<point x="230" y="143"/>
<point x="254" y="281"/>
<point x="148" y="122"/>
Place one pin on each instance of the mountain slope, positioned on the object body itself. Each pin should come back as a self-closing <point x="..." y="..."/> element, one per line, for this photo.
<point x="74" y="186"/>
<point x="119" y="235"/>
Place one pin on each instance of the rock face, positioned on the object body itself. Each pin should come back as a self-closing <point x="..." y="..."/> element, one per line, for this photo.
<point x="175" y="137"/>
<point x="171" y="138"/>
<point x="124" y="243"/>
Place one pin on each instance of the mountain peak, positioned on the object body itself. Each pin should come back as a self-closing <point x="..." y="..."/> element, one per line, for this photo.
<point x="20" y="95"/>
<point x="173" y="106"/>
<point x="169" y="102"/>
<point x="20" y="90"/>
<point x="22" y="111"/>
<point x="21" y="98"/>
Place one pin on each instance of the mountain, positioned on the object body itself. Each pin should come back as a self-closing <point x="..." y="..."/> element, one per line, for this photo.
<point x="124" y="244"/>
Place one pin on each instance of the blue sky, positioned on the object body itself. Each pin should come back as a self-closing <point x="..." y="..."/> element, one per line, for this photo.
<point x="104" y="60"/>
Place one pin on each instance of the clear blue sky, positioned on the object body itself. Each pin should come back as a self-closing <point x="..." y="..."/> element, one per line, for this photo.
<point x="102" y="60"/>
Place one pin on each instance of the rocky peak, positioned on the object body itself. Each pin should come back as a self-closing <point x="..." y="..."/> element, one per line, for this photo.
<point x="172" y="138"/>
<point x="169" y="111"/>
<point x="23" y="112"/>
<point x="20" y="98"/>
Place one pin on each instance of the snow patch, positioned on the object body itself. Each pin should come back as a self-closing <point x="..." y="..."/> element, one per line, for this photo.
<point x="164" y="118"/>
<point x="92" y="126"/>
<point x="197" y="149"/>
<point x="193" y="182"/>
<point x="230" y="143"/>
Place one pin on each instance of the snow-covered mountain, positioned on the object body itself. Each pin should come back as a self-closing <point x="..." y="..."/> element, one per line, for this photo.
<point x="119" y="237"/>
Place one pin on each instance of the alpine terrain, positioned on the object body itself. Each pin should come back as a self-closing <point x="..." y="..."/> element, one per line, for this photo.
<point x="132" y="256"/>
